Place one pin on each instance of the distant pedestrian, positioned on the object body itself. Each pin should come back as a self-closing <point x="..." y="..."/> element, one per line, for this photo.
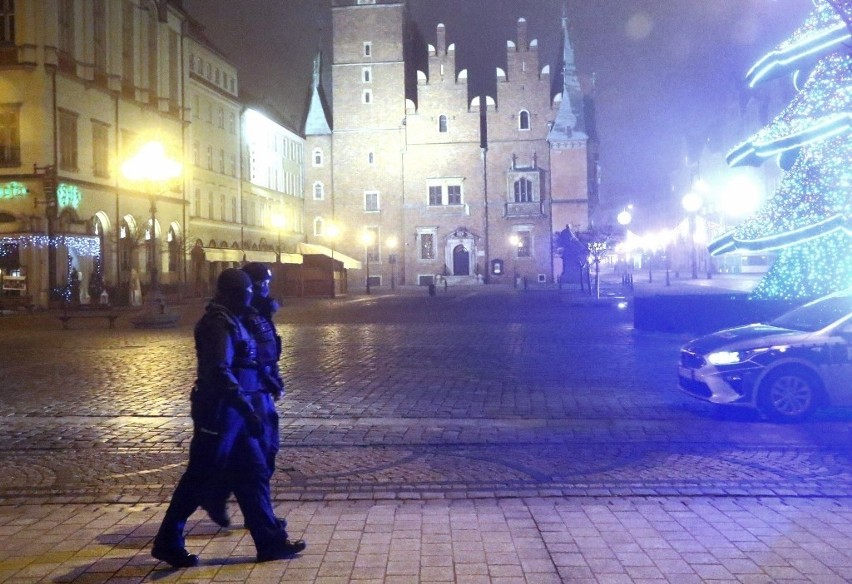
<point x="227" y="444"/>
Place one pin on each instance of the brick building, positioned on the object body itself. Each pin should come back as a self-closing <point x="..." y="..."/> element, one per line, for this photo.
<point x="444" y="184"/>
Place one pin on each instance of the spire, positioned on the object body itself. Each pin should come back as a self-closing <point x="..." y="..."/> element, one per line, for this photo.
<point x="316" y="122"/>
<point x="569" y="123"/>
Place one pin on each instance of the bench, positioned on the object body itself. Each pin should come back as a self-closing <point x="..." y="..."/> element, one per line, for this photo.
<point x="88" y="311"/>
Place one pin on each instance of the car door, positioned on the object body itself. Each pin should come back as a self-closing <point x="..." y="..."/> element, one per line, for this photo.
<point x="837" y="371"/>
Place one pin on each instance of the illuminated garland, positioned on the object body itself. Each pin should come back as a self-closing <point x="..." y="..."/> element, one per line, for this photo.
<point x="823" y="32"/>
<point x="812" y="201"/>
<point x="809" y="270"/>
<point x="82" y="245"/>
<point x="808" y="222"/>
<point x="822" y="109"/>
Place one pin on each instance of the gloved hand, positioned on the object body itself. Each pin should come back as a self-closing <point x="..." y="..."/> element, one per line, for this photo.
<point x="272" y="382"/>
<point x="254" y="426"/>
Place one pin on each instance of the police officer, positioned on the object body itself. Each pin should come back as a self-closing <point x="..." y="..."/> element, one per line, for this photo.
<point x="228" y="431"/>
<point x="258" y="321"/>
<point x="262" y="328"/>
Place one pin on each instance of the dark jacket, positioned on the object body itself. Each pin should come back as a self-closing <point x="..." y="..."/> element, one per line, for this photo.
<point x="227" y="358"/>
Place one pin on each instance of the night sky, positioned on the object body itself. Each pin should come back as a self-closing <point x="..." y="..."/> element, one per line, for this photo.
<point x="664" y="68"/>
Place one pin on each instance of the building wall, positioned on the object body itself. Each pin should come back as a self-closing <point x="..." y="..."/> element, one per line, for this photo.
<point x="519" y="151"/>
<point x="434" y="140"/>
<point x="60" y="82"/>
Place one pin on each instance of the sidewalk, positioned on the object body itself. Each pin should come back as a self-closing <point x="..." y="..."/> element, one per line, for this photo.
<point x="548" y="540"/>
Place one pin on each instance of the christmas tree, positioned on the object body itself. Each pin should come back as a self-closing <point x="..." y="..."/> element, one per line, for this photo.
<point x="806" y="223"/>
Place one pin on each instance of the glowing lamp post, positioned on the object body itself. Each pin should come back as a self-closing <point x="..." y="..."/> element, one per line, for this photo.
<point x="692" y="203"/>
<point x="332" y="232"/>
<point x="368" y="238"/>
<point x="278" y="222"/>
<point x="392" y="243"/>
<point x="151" y="165"/>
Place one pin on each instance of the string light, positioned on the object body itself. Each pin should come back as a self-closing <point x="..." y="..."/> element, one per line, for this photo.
<point x="808" y="221"/>
<point x="81" y="245"/>
<point x="823" y="32"/>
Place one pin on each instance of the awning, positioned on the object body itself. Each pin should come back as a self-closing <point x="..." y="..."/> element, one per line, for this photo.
<point x="266" y="257"/>
<point x="315" y="249"/>
<point x="214" y="254"/>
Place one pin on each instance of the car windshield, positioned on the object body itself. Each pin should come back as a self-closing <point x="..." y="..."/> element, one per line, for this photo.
<point x="815" y="315"/>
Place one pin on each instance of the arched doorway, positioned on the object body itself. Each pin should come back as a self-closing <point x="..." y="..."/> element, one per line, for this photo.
<point x="461" y="261"/>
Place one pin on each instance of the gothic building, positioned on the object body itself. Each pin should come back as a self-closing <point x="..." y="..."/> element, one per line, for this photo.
<point x="424" y="182"/>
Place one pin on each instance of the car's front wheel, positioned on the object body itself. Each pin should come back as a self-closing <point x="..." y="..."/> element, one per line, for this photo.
<point x="789" y="395"/>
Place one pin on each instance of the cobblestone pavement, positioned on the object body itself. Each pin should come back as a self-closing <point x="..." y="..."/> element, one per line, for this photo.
<point x="481" y="435"/>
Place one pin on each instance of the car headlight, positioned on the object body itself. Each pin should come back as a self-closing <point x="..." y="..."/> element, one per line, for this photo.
<point x="725" y="358"/>
<point x="734" y="357"/>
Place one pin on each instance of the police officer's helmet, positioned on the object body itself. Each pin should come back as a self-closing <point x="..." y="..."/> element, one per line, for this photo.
<point x="257" y="271"/>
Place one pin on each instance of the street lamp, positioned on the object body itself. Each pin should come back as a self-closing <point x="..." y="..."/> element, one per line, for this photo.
<point x="392" y="243"/>
<point x="515" y="240"/>
<point x="692" y="202"/>
<point x="278" y="222"/>
<point x="368" y="238"/>
<point x="332" y="232"/>
<point x="151" y="165"/>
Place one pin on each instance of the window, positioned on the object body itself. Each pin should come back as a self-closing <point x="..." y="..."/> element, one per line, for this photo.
<point x="127" y="48"/>
<point x="198" y="202"/>
<point x="153" y="57"/>
<point x="174" y="72"/>
<point x="317" y="157"/>
<point x="371" y="158"/>
<point x="66" y="27"/>
<point x="10" y="135"/>
<point x="67" y="140"/>
<point x="442" y="124"/>
<point x="436" y="195"/>
<point x="371" y="202"/>
<point x="100" y="149"/>
<point x="98" y="35"/>
<point x="222" y="160"/>
<point x="232" y="123"/>
<point x="427" y="246"/>
<point x="209" y="158"/>
<point x="367" y="74"/>
<point x="233" y="168"/>
<point x="196" y="147"/>
<point x="7" y="21"/>
<point x="523" y="190"/>
<point x="524" y="120"/>
<point x="368" y="49"/>
<point x="222" y="207"/>
<point x="454" y="195"/>
<point x="524" y="243"/>
<point x="367" y="96"/>
<point x="234" y="209"/>
<point x="445" y="192"/>
<point x="210" y="205"/>
<point x="319" y="191"/>
<point x="220" y="118"/>
<point x="318" y="224"/>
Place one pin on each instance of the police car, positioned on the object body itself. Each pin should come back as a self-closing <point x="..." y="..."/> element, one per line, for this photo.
<point x="785" y="368"/>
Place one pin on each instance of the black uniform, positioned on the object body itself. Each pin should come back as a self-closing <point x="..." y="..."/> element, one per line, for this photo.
<point x="228" y="444"/>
